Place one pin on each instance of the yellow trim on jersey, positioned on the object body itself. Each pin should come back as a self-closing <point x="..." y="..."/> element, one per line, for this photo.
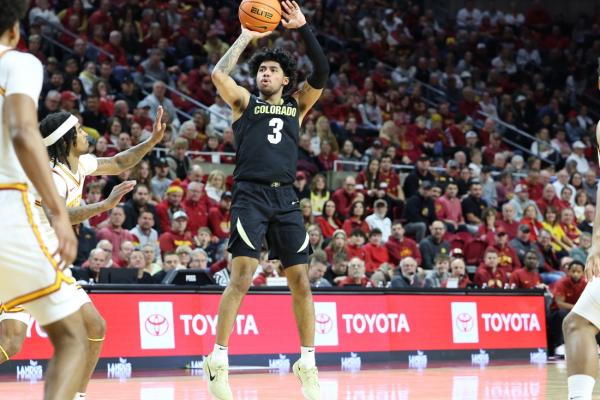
<point x="70" y="174"/>
<point x="14" y="310"/>
<point x="2" y="91"/>
<point x="60" y="276"/>
<point x="4" y="353"/>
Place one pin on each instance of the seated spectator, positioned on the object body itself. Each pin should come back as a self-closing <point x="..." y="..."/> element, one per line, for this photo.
<point x="136" y="260"/>
<point x="448" y="208"/>
<point x="581" y="252"/>
<point x="388" y="176"/>
<point x="488" y="275"/>
<point x="205" y="241"/>
<point x="435" y="278"/>
<point x="434" y="244"/>
<point x="488" y="229"/>
<point x="528" y="277"/>
<point x="139" y="202"/>
<point x="329" y="221"/>
<point x="458" y="277"/>
<point x="144" y="232"/>
<point x="560" y="241"/>
<point x="150" y="257"/>
<point x="196" y="205"/>
<point x="338" y="270"/>
<point x="419" y="212"/>
<point x="417" y="177"/>
<point x="301" y="187"/>
<point x="337" y="245"/>
<point x="87" y="241"/>
<point x="508" y="221"/>
<point x="318" y="193"/>
<point x="380" y="220"/>
<point x="199" y="260"/>
<point x="569" y="225"/>
<point x="169" y="206"/>
<point x="588" y="219"/>
<point x="184" y="252"/>
<point x="531" y="219"/>
<point x="158" y="98"/>
<point x="579" y="157"/>
<point x="508" y="259"/>
<point x="170" y="263"/>
<point x="98" y="259"/>
<point x="317" y="267"/>
<point x="473" y="206"/>
<point x="177" y="235"/>
<point x="179" y="161"/>
<point x="400" y="246"/>
<point x="356" y="219"/>
<point x="407" y="276"/>
<point x="355" y="246"/>
<point x="566" y="293"/>
<point x="376" y="252"/>
<point x="315" y="237"/>
<point x="160" y="182"/>
<point x="343" y="198"/>
<point x="268" y="270"/>
<point x="106" y="246"/>
<point x="520" y="201"/>
<point x="125" y="251"/>
<point x="218" y="217"/>
<point x="114" y="232"/>
<point x="549" y="198"/>
<point x="523" y="243"/>
<point x="215" y="185"/>
<point x="356" y="275"/>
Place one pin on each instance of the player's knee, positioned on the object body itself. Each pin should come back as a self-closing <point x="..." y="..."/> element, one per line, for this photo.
<point x="573" y="323"/>
<point x="241" y="284"/>
<point x="97" y="329"/>
<point x="299" y="285"/>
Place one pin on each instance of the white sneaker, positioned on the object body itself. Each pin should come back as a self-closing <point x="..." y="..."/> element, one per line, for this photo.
<point x="309" y="379"/>
<point x="560" y="351"/>
<point x="218" y="380"/>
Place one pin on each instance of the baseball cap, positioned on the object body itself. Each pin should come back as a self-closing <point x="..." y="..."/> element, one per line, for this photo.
<point x="226" y="195"/>
<point x="180" y="214"/>
<point x="127" y="79"/>
<point x="578" y="145"/>
<point x="520" y="188"/>
<point x="423" y="157"/>
<point x="377" y="143"/>
<point x="457" y="253"/>
<point x="183" y="249"/>
<point x="471" y="134"/>
<point x="500" y="232"/>
<point x="300" y="175"/>
<point x="68" y="95"/>
<point x="427" y="185"/>
<point x="162" y="162"/>
<point x="453" y="164"/>
<point x="521" y="98"/>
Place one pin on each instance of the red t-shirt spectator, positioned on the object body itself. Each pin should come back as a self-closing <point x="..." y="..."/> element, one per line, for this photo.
<point x="356" y="251"/>
<point x="525" y="279"/>
<point x="343" y="201"/>
<point x="164" y="212"/>
<point x="354" y="223"/>
<point x="493" y="279"/>
<point x="169" y="241"/>
<point x="397" y="250"/>
<point x="197" y="212"/>
<point x="218" y="222"/>
<point x="115" y="237"/>
<point x="376" y="255"/>
<point x="507" y="258"/>
<point x="326" y="228"/>
<point x="571" y="291"/>
<point x="349" y="281"/>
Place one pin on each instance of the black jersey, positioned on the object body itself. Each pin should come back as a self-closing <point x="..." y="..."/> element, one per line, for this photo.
<point x="267" y="141"/>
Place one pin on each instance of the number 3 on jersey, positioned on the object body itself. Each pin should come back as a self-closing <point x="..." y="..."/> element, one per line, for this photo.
<point x="277" y="124"/>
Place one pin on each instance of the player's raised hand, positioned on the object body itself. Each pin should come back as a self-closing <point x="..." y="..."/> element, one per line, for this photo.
<point x="254" y="34"/>
<point x="592" y="265"/>
<point x="292" y="15"/>
<point x="117" y="193"/>
<point x="159" y="127"/>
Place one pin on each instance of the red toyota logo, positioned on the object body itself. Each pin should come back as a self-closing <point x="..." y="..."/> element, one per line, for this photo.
<point x="156" y="325"/>
<point x="323" y="323"/>
<point x="464" y="322"/>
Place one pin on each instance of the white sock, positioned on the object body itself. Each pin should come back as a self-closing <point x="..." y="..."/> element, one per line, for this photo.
<point x="79" y="396"/>
<point x="219" y="355"/>
<point x="580" y="387"/>
<point x="307" y="357"/>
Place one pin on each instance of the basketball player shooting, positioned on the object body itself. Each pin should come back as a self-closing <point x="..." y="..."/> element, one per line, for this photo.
<point x="582" y="324"/>
<point x="264" y="204"/>
<point x="67" y="146"/>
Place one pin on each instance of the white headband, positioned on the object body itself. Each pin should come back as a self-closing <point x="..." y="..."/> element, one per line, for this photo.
<point x="60" y="131"/>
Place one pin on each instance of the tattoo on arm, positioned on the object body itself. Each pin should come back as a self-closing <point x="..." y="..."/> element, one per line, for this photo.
<point x="124" y="160"/>
<point x="80" y="214"/>
<point x="227" y="63"/>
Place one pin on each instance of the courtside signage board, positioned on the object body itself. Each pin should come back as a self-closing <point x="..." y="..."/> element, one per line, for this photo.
<point x="171" y="324"/>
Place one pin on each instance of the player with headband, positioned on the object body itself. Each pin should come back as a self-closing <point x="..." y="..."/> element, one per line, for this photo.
<point x="67" y="146"/>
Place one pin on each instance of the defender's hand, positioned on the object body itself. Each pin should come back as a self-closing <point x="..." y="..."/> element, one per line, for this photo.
<point x="159" y="127"/>
<point x="117" y="193"/>
<point x="292" y="17"/>
<point x="253" y="34"/>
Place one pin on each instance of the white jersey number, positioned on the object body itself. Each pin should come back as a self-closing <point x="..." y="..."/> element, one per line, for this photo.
<point x="277" y="124"/>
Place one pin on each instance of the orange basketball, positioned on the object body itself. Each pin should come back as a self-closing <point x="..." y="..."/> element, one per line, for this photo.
<point x="260" y="15"/>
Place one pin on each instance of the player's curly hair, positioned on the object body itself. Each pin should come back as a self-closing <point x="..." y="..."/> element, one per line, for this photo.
<point x="12" y="11"/>
<point x="59" y="151"/>
<point x="280" y="56"/>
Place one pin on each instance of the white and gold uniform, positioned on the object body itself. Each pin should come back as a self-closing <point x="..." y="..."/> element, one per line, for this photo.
<point x="29" y="274"/>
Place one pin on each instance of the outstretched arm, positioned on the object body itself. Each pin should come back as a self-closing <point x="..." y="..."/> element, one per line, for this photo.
<point x="79" y="214"/>
<point x="313" y="87"/>
<point x="129" y="158"/>
<point x="236" y="96"/>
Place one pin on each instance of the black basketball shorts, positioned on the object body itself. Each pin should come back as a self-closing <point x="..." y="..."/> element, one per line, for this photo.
<point x="261" y="214"/>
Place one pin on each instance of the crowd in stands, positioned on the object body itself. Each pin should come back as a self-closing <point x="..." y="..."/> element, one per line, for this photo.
<point x="407" y="88"/>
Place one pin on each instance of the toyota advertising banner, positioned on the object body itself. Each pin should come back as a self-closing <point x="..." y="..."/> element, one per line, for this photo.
<point x="157" y="327"/>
